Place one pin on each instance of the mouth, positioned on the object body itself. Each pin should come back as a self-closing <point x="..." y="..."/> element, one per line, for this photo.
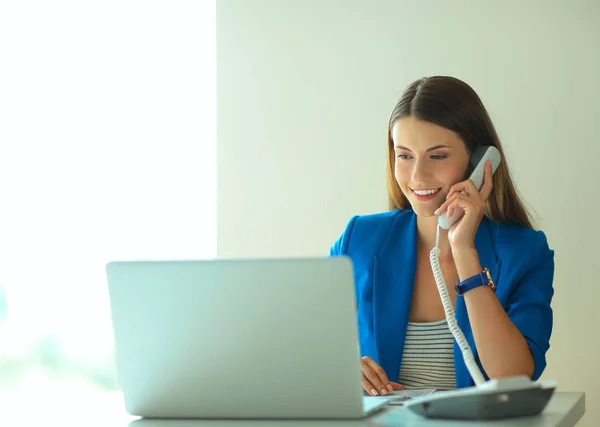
<point x="425" y="194"/>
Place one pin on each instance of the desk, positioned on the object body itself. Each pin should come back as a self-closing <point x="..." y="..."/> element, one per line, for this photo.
<point x="564" y="410"/>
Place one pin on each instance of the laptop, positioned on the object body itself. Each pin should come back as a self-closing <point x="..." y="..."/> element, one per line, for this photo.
<point x="246" y="338"/>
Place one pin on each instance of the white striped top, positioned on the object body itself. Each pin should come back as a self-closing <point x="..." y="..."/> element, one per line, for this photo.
<point x="428" y="357"/>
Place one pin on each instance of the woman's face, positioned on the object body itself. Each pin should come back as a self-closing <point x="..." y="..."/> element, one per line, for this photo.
<point x="429" y="160"/>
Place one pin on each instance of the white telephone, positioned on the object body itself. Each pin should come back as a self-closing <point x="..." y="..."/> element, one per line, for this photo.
<point x="499" y="398"/>
<point x="478" y="158"/>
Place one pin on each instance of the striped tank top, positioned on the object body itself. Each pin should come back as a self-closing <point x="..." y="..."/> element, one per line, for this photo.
<point x="428" y="357"/>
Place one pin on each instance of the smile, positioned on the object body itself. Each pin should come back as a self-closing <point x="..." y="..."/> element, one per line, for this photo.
<point x="426" y="192"/>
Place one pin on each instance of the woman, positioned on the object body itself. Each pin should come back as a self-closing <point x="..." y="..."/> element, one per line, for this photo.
<point x="403" y="334"/>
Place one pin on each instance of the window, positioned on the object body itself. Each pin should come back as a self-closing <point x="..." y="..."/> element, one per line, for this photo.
<point x="107" y="152"/>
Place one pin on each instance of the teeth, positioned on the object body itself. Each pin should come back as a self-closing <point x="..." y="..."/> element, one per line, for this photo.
<point x="425" y="192"/>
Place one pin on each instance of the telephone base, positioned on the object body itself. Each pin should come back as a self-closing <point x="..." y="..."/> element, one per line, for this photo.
<point x="485" y="402"/>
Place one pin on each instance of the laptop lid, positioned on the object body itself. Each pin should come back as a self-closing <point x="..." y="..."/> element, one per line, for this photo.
<point x="272" y="338"/>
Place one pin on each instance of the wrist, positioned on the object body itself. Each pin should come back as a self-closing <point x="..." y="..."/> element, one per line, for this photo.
<point x="464" y="252"/>
<point x="467" y="263"/>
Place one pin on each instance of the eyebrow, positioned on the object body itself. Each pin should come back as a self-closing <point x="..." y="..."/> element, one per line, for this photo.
<point x="427" y="151"/>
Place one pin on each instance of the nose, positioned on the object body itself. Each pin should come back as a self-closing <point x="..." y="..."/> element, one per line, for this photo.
<point x="420" y="172"/>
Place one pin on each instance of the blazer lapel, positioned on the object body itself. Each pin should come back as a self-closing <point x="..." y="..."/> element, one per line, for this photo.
<point x="393" y="279"/>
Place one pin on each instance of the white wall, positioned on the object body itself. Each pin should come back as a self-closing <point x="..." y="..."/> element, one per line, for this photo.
<point x="304" y="93"/>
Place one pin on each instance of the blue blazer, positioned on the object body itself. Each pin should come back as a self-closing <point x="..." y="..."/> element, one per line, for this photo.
<point x="383" y="250"/>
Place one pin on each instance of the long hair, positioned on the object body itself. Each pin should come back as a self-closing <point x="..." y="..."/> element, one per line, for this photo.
<point x="454" y="105"/>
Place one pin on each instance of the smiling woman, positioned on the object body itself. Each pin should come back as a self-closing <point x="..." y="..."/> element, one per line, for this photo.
<point x="108" y="128"/>
<point x="404" y="337"/>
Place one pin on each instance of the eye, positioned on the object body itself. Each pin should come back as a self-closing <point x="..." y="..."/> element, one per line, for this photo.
<point x="438" y="156"/>
<point x="404" y="156"/>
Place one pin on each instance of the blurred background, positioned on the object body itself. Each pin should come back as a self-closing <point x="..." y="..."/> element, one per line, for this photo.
<point x="107" y="151"/>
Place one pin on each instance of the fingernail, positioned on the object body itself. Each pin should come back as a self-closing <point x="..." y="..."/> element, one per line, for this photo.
<point x="374" y="392"/>
<point x="390" y="388"/>
<point x="384" y="392"/>
<point x="436" y="211"/>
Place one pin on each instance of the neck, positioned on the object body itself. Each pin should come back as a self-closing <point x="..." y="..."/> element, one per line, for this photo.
<point x="427" y="233"/>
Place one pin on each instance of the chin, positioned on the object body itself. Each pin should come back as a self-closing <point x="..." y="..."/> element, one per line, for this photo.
<point x="423" y="211"/>
<point x="425" y="214"/>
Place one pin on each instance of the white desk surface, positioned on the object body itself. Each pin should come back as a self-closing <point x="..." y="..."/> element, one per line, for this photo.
<point x="38" y="410"/>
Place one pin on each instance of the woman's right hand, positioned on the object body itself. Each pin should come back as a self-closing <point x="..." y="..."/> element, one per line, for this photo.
<point x="374" y="380"/>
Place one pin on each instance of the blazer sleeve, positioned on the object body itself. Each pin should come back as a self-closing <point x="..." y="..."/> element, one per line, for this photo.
<point x="340" y="246"/>
<point x="529" y="304"/>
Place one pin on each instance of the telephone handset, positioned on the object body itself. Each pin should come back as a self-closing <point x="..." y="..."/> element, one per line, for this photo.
<point x="498" y="398"/>
<point x="477" y="162"/>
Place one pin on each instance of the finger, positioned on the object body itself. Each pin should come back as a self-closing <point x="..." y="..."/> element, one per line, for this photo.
<point x="488" y="181"/>
<point x="371" y="382"/>
<point x="443" y="207"/>
<point x="471" y="189"/>
<point x="465" y="187"/>
<point x="379" y="371"/>
<point x="456" y="188"/>
<point x="372" y="377"/>
<point x="397" y="386"/>
<point x="467" y="204"/>
<point x="451" y="208"/>
<point x="457" y="201"/>
<point x="447" y="203"/>
<point x="368" y="387"/>
<point x="468" y="186"/>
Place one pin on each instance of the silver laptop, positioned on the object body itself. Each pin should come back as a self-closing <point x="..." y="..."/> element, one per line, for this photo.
<point x="238" y="339"/>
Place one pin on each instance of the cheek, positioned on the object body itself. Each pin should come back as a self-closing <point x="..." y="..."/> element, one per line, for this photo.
<point x="402" y="174"/>
<point x="453" y="174"/>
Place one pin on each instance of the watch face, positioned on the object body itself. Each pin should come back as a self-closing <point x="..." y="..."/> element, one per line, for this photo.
<point x="490" y="281"/>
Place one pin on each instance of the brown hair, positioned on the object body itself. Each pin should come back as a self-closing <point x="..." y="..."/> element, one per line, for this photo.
<point x="454" y="105"/>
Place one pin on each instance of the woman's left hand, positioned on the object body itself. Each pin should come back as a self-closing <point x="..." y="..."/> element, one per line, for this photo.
<point x="466" y="196"/>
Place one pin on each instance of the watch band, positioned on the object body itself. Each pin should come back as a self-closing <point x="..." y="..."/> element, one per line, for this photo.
<point x="480" y="279"/>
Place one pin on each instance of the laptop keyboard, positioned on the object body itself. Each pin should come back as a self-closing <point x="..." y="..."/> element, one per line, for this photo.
<point x="400" y="396"/>
<point x="395" y="398"/>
